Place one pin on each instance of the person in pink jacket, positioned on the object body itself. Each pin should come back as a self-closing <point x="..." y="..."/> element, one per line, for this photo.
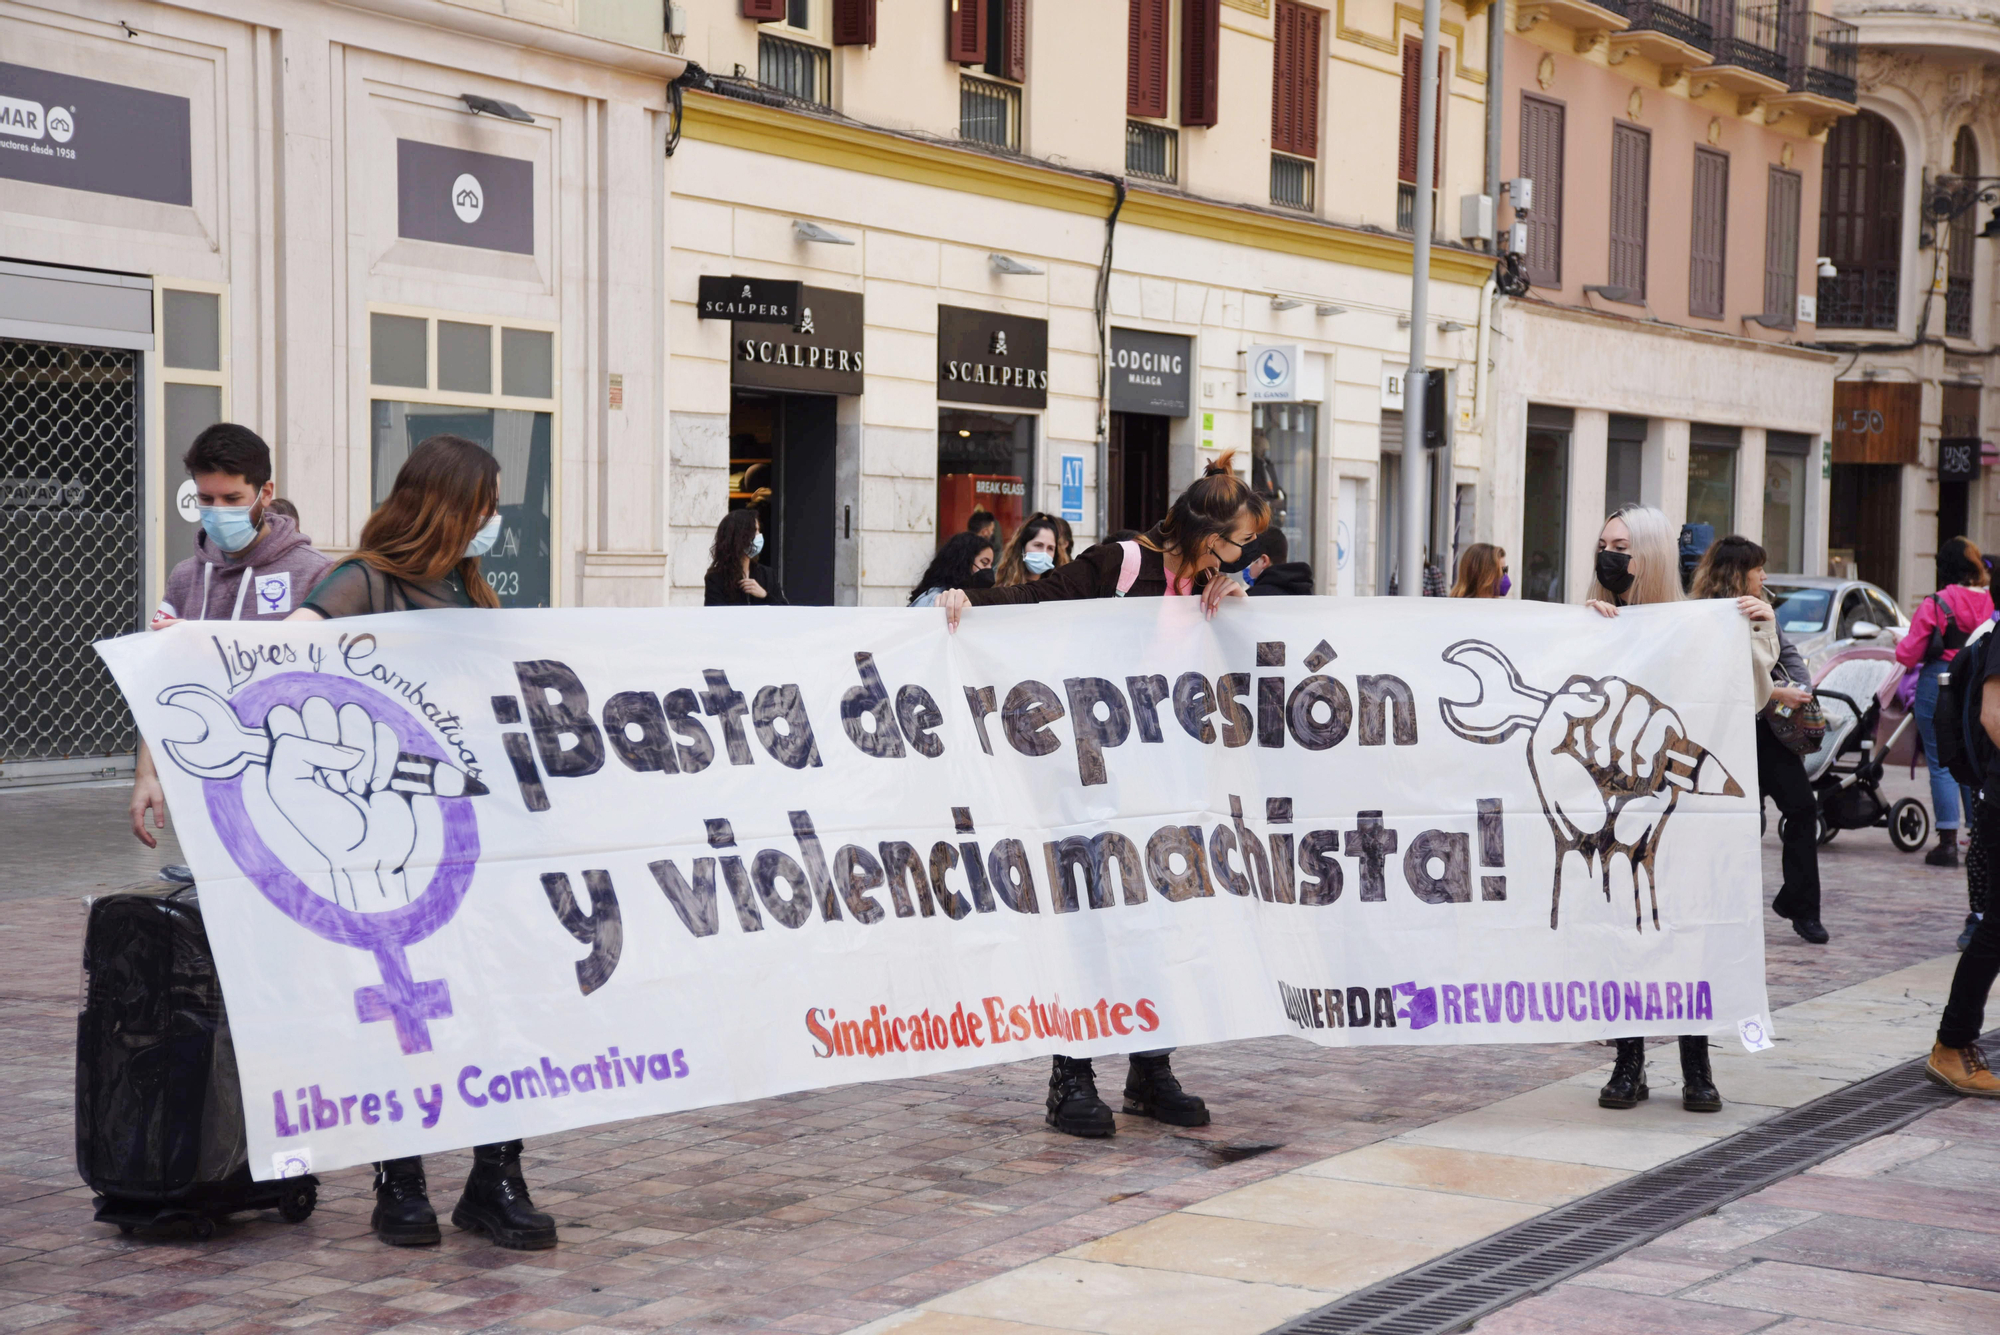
<point x="1938" y="629"/>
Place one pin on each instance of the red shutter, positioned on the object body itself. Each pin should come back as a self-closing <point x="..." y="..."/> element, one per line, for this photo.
<point x="854" y="22"/>
<point x="764" y="11"/>
<point x="1295" y="80"/>
<point x="965" y="31"/>
<point x="1201" y="52"/>
<point x="1013" y="39"/>
<point x="1406" y="160"/>
<point x="1146" y="59"/>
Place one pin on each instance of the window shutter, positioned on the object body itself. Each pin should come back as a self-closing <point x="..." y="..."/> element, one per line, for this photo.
<point x="764" y="11"/>
<point x="1406" y="157"/>
<point x="1013" y="39"/>
<point x="1295" y="80"/>
<point x="1146" y="59"/>
<point x="854" y="22"/>
<point x="1631" y="191"/>
<point x="1201" y="52"/>
<point x="964" y="31"/>
<point x="1781" y="246"/>
<point x="1710" y="234"/>
<point x="1542" y="162"/>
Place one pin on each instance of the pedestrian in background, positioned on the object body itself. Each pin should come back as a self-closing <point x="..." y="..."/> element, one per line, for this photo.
<point x="1638" y="563"/>
<point x="736" y="578"/>
<point x="1956" y="1061"/>
<point x="1482" y="573"/>
<point x="1274" y="574"/>
<point x="964" y="562"/>
<point x="981" y="522"/>
<point x="1214" y="531"/>
<point x="421" y="549"/>
<point x="1938" y="630"/>
<point x="1733" y="567"/>
<point x="1034" y="550"/>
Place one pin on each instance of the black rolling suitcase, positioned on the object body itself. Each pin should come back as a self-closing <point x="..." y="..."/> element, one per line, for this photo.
<point x="159" y="1113"/>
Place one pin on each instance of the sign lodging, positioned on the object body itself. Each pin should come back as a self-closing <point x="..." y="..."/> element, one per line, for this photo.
<point x="473" y="875"/>
<point x="819" y="353"/>
<point x="987" y="357"/>
<point x="85" y="134"/>
<point x="1151" y="373"/>
<point x="462" y="198"/>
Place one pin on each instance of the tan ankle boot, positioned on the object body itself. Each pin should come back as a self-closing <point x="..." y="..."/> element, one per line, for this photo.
<point x="1963" y="1070"/>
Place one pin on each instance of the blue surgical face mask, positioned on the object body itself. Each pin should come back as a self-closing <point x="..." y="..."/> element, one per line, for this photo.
<point x="230" y="527"/>
<point x="756" y="544"/>
<point x="1039" y="562"/>
<point x="482" y="541"/>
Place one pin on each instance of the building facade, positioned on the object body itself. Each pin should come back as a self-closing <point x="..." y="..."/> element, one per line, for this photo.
<point x="1663" y="351"/>
<point x="348" y="227"/>
<point x="1911" y="311"/>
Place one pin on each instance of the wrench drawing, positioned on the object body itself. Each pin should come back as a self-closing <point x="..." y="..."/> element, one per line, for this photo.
<point x="226" y="748"/>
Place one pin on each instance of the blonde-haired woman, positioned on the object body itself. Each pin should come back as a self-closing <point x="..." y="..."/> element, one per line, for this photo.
<point x="1638" y="563"/>
<point x="1482" y="573"/>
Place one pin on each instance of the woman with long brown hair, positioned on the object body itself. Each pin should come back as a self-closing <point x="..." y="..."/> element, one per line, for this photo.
<point x="1482" y="573"/>
<point x="421" y="549"/>
<point x="1212" y="532"/>
<point x="1036" y="548"/>
<point x="735" y="577"/>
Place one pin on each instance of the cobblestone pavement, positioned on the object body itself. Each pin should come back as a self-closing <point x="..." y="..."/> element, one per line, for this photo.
<point x="815" y="1212"/>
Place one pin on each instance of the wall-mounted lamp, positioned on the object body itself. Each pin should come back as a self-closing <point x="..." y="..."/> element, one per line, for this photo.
<point x="1615" y="292"/>
<point x="1008" y="264"/>
<point x="806" y="231"/>
<point x="493" y="106"/>
<point x="1329" y="310"/>
<point x="1450" y="327"/>
<point x="1827" y="269"/>
<point x="1768" y="321"/>
<point x="1285" y="303"/>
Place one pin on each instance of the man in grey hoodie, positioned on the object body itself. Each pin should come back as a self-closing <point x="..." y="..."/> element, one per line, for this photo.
<point x="250" y="563"/>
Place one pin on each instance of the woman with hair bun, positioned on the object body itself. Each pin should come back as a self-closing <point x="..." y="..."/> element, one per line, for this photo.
<point x="1211" y="532"/>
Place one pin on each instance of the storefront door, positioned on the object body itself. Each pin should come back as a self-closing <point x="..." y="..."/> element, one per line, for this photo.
<point x="1865" y="524"/>
<point x="1136" y="470"/>
<point x="782" y="455"/>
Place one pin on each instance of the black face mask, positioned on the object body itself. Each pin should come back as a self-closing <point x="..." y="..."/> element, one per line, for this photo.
<point x="1245" y="554"/>
<point x="980" y="579"/>
<point x="1614" y="571"/>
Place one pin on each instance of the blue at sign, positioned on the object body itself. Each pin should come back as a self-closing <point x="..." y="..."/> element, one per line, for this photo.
<point x="1072" y="488"/>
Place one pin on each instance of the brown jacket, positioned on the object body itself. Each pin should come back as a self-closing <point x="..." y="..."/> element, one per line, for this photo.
<point x="1093" y="574"/>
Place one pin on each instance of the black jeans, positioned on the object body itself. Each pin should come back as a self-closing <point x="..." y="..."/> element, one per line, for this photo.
<point x="1965" y="1012"/>
<point x="1781" y="776"/>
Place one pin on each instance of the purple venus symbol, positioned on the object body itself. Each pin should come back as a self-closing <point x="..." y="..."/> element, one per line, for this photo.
<point x="400" y="998"/>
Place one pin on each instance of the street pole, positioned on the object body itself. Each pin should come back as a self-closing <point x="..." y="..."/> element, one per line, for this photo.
<point x="1415" y="488"/>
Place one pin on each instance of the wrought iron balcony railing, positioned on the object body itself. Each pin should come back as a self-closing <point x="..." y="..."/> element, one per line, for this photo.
<point x="1822" y="51"/>
<point x="1679" y="19"/>
<point x="1748" y="37"/>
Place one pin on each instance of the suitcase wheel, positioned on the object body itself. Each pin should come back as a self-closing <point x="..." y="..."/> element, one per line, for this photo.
<point x="296" y="1205"/>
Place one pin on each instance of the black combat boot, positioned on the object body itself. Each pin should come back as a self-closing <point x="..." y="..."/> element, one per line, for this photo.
<point x="1946" y="852"/>
<point x="1698" y="1091"/>
<point x="1152" y="1091"/>
<point x="403" y="1215"/>
<point x="1074" y="1108"/>
<point x="496" y="1202"/>
<point x="1627" y="1085"/>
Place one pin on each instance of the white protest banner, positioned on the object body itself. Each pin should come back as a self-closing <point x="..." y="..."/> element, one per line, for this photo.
<point x="475" y="875"/>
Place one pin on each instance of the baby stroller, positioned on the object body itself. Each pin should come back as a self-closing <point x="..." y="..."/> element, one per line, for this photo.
<point x="1846" y="770"/>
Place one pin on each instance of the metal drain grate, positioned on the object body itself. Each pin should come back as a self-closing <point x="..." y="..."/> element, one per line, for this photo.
<point x="1455" y="1290"/>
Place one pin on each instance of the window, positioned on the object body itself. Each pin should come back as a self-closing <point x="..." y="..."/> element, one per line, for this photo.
<point x="794" y="68"/>
<point x="1710" y="234"/>
<point x="194" y="394"/>
<point x="1958" y="261"/>
<point x="1711" y="497"/>
<point x="986" y="461"/>
<point x="1152" y="151"/>
<point x="1631" y="194"/>
<point x="1861" y="223"/>
<point x="1294" y="103"/>
<point x="1283" y="455"/>
<point x="1407" y="140"/>
<point x="1624" y="461"/>
<point x="989" y="112"/>
<point x="1781" y="247"/>
<point x="1786" y="456"/>
<point x="1545" y="501"/>
<point x="1542" y="163"/>
<point x="494" y="385"/>
<point x="1007" y="39"/>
